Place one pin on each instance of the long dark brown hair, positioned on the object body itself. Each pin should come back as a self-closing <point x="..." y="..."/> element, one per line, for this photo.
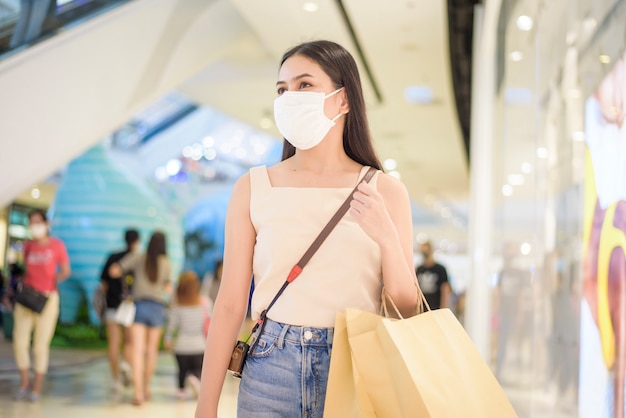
<point x="339" y="65"/>
<point x="156" y="248"/>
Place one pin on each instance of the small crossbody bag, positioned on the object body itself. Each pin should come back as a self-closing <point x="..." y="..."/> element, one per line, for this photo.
<point x="31" y="298"/>
<point x="240" y="352"/>
<point x="125" y="312"/>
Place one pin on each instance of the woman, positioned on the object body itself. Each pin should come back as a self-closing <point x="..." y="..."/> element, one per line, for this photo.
<point x="185" y="332"/>
<point x="115" y="289"/>
<point x="152" y="284"/>
<point x="273" y="217"/>
<point x="47" y="264"/>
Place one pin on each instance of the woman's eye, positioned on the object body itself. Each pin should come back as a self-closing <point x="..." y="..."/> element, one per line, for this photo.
<point x="280" y="90"/>
<point x="304" y="85"/>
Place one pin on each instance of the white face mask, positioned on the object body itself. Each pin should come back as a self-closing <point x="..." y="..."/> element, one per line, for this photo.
<point x="38" y="230"/>
<point x="300" y="117"/>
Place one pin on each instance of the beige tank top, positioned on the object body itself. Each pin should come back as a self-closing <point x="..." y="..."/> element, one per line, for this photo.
<point x="346" y="271"/>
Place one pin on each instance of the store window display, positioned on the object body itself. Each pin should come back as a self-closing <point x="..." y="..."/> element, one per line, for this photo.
<point x="603" y="308"/>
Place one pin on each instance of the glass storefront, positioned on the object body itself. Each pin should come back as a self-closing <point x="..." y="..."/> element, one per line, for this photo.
<point x="559" y="208"/>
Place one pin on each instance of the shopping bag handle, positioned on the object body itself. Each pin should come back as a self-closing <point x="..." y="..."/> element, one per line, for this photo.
<point x="421" y="304"/>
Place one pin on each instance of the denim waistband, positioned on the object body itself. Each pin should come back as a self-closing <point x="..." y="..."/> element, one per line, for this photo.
<point x="153" y="301"/>
<point x="298" y="334"/>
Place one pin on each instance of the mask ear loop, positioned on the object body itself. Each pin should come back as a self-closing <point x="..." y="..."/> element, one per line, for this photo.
<point x="332" y="94"/>
<point x="337" y="117"/>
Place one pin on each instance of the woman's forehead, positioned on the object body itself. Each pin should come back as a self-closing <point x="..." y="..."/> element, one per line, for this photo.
<point x="298" y="65"/>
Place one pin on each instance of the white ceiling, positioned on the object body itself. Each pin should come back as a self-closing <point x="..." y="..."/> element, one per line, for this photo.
<point x="239" y="44"/>
<point x="405" y="44"/>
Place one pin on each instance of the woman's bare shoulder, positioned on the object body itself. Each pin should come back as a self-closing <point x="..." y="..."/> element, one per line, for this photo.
<point x="391" y="187"/>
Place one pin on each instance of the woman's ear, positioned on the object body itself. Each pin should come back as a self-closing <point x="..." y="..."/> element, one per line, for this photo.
<point x="345" y="105"/>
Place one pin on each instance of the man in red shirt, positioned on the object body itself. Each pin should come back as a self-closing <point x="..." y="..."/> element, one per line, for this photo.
<point x="47" y="263"/>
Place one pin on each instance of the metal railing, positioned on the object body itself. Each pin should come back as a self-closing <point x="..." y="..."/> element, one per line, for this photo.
<point x="23" y="23"/>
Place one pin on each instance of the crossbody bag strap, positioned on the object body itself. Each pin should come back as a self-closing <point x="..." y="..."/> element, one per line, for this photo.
<point x="297" y="269"/>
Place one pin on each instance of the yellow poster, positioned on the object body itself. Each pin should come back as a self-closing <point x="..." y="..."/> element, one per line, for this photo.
<point x="603" y="307"/>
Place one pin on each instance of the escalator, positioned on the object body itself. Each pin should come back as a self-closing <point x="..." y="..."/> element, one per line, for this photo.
<point x="63" y="94"/>
<point x="24" y="23"/>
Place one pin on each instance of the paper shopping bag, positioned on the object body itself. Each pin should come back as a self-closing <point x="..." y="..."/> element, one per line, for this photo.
<point x="424" y="366"/>
<point x="345" y="395"/>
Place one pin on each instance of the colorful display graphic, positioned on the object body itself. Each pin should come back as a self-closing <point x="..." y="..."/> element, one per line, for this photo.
<point x="603" y="307"/>
<point x="94" y="203"/>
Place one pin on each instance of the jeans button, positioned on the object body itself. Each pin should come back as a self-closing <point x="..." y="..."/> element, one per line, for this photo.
<point x="308" y="335"/>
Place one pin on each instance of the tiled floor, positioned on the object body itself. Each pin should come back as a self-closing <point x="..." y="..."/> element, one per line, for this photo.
<point x="79" y="386"/>
<point x="85" y="392"/>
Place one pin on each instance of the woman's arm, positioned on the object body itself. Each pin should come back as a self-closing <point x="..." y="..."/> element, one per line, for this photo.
<point x="232" y="300"/>
<point x="385" y="215"/>
<point x="127" y="263"/>
<point x="173" y="324"/>
<point x="63" y="261"/>
<point x="64" y="272"/>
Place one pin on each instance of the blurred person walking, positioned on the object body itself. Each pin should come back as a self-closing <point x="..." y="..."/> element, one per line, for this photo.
<point x="186" y="332"/>
<point x="115" y="290"/>
<point x="276" y="212"/>
<point x="433" y="279"/>
<point x="46" y="264"/>
<point x="152" y="284"/>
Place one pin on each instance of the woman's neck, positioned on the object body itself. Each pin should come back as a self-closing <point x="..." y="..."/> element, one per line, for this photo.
<point x="324" y="158"/>
<point x="43" y="241"/>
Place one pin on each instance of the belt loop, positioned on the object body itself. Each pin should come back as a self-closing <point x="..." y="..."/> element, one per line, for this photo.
<point x="281" y="337"/>
<point x="330" y="336"/>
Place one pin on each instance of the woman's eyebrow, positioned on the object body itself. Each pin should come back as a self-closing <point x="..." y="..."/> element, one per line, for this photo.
<point x="295" y="78"/>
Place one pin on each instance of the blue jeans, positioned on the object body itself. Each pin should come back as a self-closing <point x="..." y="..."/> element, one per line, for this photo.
<point x="285" y="375"/>
<point x="150" y="313"/>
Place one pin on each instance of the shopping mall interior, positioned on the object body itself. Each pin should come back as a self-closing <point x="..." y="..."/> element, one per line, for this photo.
<point x="144" y="113"/>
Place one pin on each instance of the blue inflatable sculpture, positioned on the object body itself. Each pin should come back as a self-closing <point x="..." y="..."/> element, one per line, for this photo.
<point x="96" y="201"/>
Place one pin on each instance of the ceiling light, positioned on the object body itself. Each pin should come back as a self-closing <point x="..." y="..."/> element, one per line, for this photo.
<point x="210" y="154"/>
<point x="525" y="248"/>
<point x="187" y="151"/>
<point x="390" y="164"/>
<point x="524" y="23"/>
<point x="419" y="95"/>
<point x="516" y="179"/>
<point x="35" y="193"/>
<point x="516" y="56"/>
<point x="605" y="59"/>
<point x="507" y="190"/>
<point x="197" y="151"/>
<point x="173" y="167"/>
<point x="395" y="174"/>
<point x="527" y="168"/>
<point x="208" y="141"/>
<point x="542" y="153"/>
<point x="310" y="6"/>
